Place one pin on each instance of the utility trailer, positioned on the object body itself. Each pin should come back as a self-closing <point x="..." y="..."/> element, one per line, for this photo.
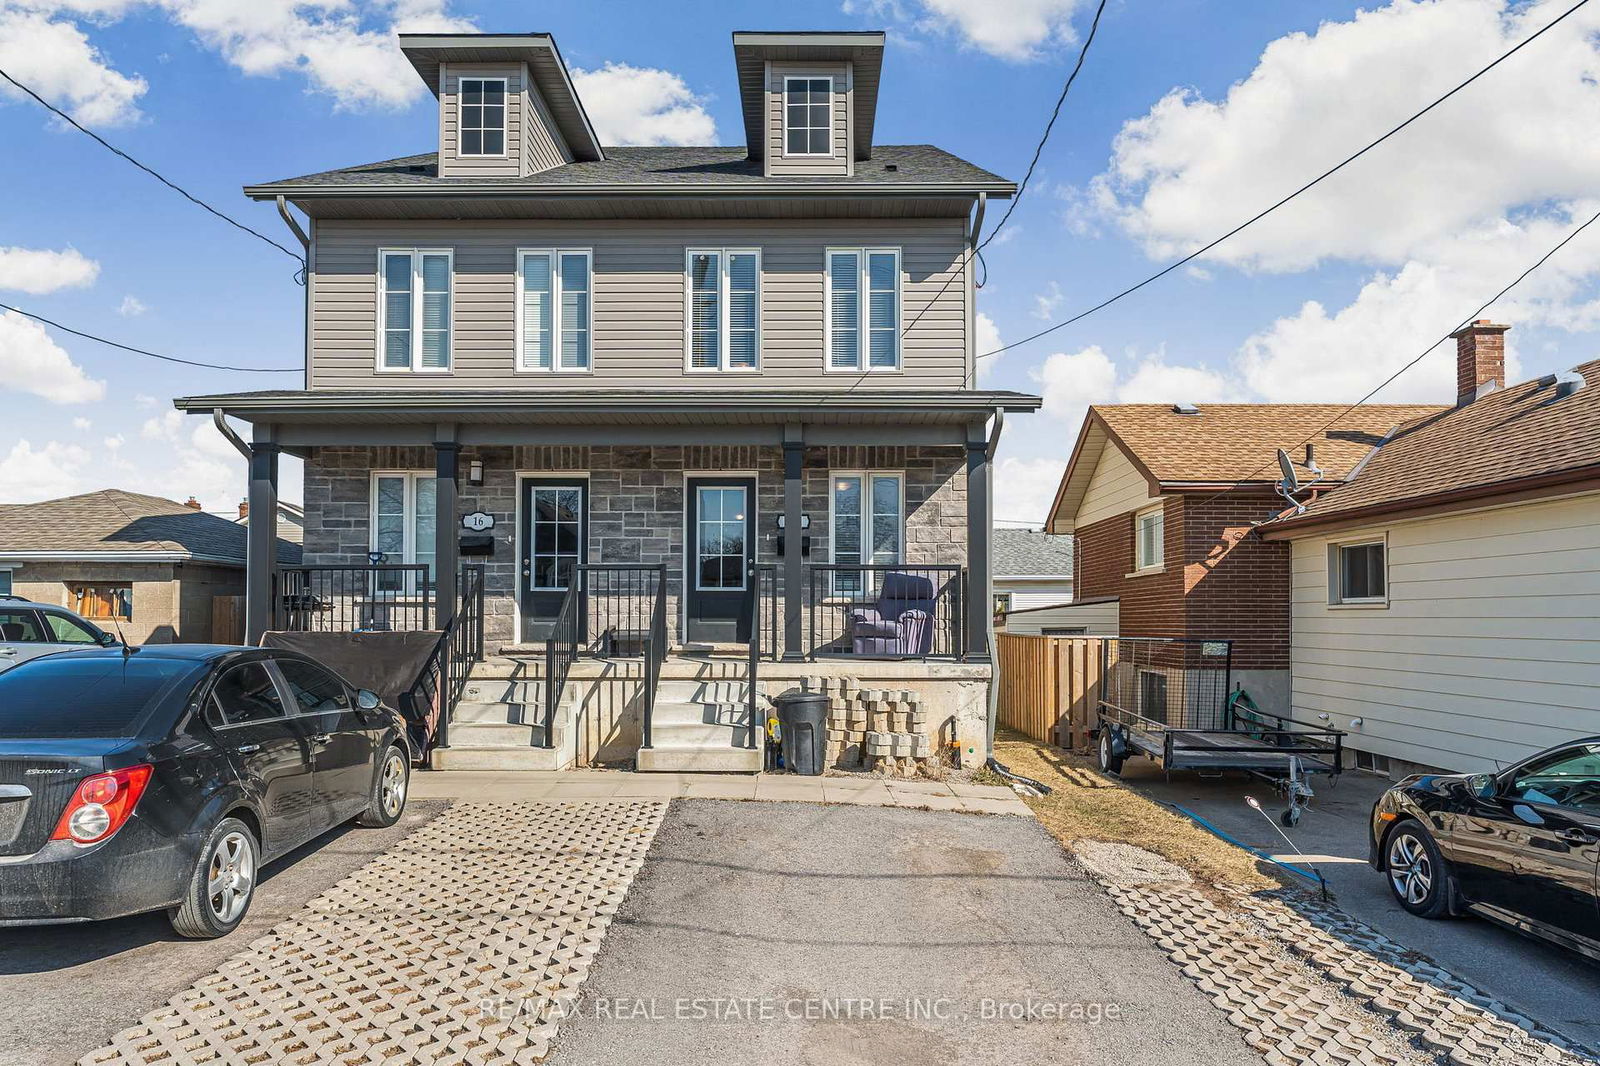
<point x="1172" y="700"/>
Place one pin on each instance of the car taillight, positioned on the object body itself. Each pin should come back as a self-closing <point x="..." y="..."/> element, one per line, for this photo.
<point x="101" y="805"/>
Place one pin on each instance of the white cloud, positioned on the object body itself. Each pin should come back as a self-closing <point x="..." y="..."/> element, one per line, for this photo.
<point x="81" y="424"/>
<point x="1015" y="30"/>
<point x="1072" y="381"/>
<point x="1045" y="303"/>
<point x="1156" y="381"/>
<point x="39" y="271"/>
<point x="1025" y="488"/>
<point x="986" y="339"/>
<point x="56" y="60"/>
<point x="639" y="105"/>
<point x="33" y="363"/>
<point x="165" y="427"/>
<point x="132" y="307"/>
<point x="29" y="474"/>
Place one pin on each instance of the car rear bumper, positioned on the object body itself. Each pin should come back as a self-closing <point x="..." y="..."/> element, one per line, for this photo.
<point x="135" y="871"/>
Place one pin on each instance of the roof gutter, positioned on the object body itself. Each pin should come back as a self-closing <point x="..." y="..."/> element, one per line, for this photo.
<point x="1518" y="490"/>
<point x="1003" y="189"/>
<point x="117" y="557"/>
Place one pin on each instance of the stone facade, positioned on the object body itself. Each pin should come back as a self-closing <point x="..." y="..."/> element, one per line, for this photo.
<point x="636" y="503"/>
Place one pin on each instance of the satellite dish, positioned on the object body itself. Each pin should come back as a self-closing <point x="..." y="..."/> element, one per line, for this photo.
<point x="1291" y="479"/>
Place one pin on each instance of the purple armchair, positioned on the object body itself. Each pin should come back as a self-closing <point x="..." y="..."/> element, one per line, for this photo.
<point x="902" y="622"/>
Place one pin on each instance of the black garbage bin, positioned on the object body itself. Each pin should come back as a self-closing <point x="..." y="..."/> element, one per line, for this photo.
<point x="803" y="724"/>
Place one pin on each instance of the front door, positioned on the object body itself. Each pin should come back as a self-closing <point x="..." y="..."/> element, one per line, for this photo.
<point x="721" y="550"/>
<point x="555" y="539"/>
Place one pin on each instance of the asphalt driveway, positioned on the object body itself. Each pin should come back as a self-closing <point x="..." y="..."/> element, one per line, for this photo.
<point x="836" y="934"/>
<point x="65" y="989"/>
<point x="1552" y="986"/>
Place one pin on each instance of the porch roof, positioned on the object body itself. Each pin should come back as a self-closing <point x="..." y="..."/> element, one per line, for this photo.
<point x="510" y="416"/>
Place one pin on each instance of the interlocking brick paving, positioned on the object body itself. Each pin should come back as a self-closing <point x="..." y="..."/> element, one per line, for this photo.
<point x="465" y="944"/>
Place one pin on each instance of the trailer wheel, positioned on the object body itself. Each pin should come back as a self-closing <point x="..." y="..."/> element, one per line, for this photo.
<point x="1110" y="760"/>
<point x="1290" y="817"/>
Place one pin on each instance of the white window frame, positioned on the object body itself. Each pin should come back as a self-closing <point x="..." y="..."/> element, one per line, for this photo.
<point x="724" y="338"/>
<point x="694" y="545"/>
<point x="1141" y="565"/>
<point x="557" y="326"/>
<point x="1336" y="550"/>
<point x="416" y="366"/>
<point x="863" y="311"/>
<point x="868" y="586"/>
<point x="783" y="133"/>
<point x="408" y="527"/>
<point x="505" y="117"/>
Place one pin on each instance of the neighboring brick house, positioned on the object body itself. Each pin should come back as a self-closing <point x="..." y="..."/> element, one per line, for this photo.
<point x="145" y="566"/>
<point x="1161" y="500"/>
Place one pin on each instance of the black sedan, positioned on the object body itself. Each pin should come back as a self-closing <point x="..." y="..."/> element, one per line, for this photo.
<point x="1520" y="847"/>
<point x="164" y="777"/>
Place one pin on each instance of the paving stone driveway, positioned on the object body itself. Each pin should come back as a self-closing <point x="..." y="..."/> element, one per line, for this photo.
<point x="463" y="944"/>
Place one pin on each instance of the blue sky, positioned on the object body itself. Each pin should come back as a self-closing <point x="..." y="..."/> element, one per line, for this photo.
<point x="1189" y="116"/>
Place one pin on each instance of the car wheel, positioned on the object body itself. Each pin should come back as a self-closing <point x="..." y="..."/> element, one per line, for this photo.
<point x="222" y="885"/>
<point x="1110" y="761"/>
<point x="1416" y="871"/>
<point x="388" y="800"/>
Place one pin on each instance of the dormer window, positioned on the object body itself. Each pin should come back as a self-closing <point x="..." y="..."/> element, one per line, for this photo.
<point x="808" y="116"/>
<point x="483" y="116"/>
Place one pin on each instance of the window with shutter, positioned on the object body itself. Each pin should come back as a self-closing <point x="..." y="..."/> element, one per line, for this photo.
<point x="724" y="309"/>
<point x="863" y="338"/>
<point x="1149" y="534"/>
<point x="414" y="309"/>
<point x="554" y="303"/>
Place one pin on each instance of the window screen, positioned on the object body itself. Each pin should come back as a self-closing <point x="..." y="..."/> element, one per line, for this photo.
<point x="1361" y="572"/>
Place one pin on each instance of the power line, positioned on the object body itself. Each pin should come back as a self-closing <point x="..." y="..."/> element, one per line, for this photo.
<point x="152" y="355"/>
<point x="1434" y="344"/>
<point x="113" y="149"/>
<point x="1198" y="252"/>
<point x="1083" y="53"/>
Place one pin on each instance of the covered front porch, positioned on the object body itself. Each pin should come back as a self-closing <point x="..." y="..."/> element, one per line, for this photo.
<point x="553" y="531"/>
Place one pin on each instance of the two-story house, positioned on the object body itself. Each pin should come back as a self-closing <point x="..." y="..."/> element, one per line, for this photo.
<point x="686" y="414"/>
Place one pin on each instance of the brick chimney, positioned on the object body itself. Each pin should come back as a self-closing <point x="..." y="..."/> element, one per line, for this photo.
<point x="192" y="503"/>
<point x="1480" y="360"/>
<point x="244" y="510"/>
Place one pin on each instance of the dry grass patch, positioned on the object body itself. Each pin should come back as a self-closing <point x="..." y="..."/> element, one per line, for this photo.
<point x="1086" y="805"/>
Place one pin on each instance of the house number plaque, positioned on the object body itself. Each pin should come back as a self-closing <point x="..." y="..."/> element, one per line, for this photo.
<point x="477" y="521"/>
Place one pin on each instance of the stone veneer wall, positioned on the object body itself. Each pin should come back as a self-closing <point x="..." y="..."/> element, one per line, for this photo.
<point x="635" y="503"/>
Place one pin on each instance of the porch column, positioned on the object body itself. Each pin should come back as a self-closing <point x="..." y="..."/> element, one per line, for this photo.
<point x="261" y="536"/>
<point x="980" y="596"/>
<point x="446" y="546"/>
<point x="794" y="455"/>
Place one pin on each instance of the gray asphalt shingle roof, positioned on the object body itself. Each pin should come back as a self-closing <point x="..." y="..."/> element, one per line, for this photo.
<point x="914" y="164"/>
<point x="116" y="521"/>
<point x="1031" y="552"/>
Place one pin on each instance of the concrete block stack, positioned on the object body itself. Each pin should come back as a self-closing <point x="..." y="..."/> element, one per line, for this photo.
<point x="875" y="729"/>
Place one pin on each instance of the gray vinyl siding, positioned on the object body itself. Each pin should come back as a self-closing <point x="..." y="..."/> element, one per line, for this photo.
<point x="639" y="301"/>
<point x="842" y="161"/>
<point x="532" y="144"/>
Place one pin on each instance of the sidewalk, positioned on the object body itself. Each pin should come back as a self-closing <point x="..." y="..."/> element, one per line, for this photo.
<point x="516" y="786"/>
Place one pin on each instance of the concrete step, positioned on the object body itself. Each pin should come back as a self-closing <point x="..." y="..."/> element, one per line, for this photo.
<point x="463" y="758"/>
<point x="699" y="760"/>
<point x="495" y="735"/>
<point x="504" y="690"/>
<point x="518" y="713"/>
<point x="685" y="711"/>
<point x="731" y="690"/>
<point x="697" y="735"/>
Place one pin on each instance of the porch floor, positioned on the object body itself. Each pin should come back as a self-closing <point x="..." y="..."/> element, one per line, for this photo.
<point x="599" y="785"/>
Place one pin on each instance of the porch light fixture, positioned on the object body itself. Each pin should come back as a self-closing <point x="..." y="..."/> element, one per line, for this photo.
<point x="475" y="472"/>
<point x="805" y="521"/>
<point x="376" y="558"/>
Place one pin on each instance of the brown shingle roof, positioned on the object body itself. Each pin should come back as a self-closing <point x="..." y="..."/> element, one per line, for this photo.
<point x="1495" y="443"/>
<point x="1228" y="442"/>
<point x="116" y="521"/>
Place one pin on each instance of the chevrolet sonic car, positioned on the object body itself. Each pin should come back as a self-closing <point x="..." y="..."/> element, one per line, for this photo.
<point x="162" y="778"/>
<point x="1520" y="847"/>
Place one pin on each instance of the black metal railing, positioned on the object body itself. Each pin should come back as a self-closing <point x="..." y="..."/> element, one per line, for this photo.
<point x="655" y="652"/>
<point x="433" y="696"/>
<point x="762" y="573"/>
<point x="617" y="605"/>
<point x="886" y="611"/>
<point x="766" y="611"/>
<point x="560" y="649"/>
<point x="338" y="598"/>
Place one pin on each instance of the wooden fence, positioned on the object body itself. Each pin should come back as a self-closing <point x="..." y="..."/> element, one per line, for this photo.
<point x="1049" y="686"/>
<point x="227" y="619"/>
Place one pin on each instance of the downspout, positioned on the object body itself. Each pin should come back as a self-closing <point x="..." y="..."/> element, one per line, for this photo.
<point x="972" y="290"/>
<point x="228" y="433"/>
<point x="305" y="280"/>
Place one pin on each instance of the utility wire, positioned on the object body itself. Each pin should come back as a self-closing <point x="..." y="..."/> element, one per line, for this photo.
<point x="1432" y="345"/>
<point x="113" y="149"/>
<point x="1083" y="53"/>
<point x="152" y="355"/>
<point x="1198" y="252"/>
